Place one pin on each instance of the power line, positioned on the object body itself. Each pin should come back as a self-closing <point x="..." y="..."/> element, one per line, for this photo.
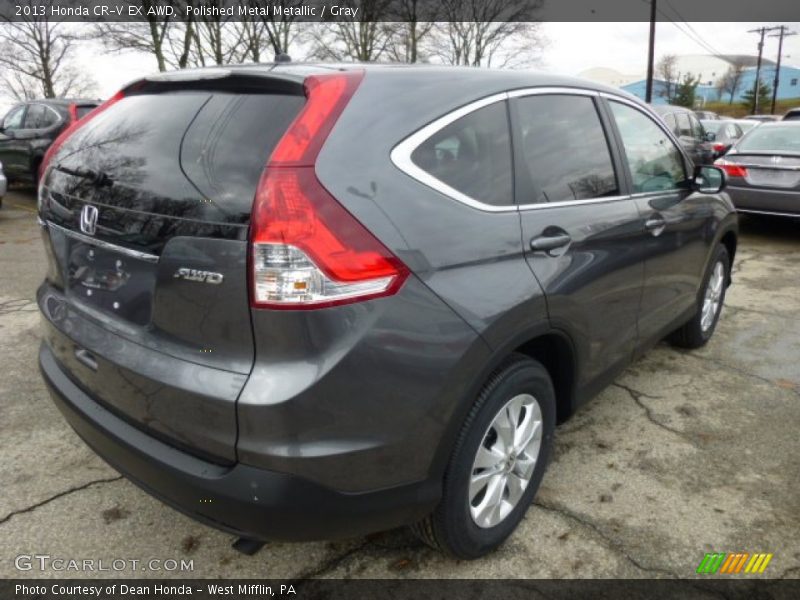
<point x="694" y="36"/>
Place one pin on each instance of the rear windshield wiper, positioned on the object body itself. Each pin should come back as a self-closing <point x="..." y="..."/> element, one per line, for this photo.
<point x="97" y="178"/>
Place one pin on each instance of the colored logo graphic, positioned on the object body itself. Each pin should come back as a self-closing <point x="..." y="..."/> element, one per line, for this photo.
<point x="734" y="563"/>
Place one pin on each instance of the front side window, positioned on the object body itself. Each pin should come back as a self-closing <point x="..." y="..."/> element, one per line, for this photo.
<point x="13" y="119"/>
<point x="654" y="160"/>
<point x="472" y="155"/>
<point x="564" y="149"/>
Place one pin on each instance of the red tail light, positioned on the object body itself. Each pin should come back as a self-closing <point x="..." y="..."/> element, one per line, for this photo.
<point x="718" y="147"/>
<point x="307" y="250"/>
<point x="75" y="124"/>
<point x="732" y="169"/>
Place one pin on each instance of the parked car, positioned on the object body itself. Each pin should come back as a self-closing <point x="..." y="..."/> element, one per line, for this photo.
<point x="764" y="170"/>
<point x="725" y="134"/>
<point x="355" y="337"/>
<point x="690" y="132"/>
<point x="762" y="118"/>
<point x="746" y="124"/>
<point x="28" y="129"/>
<point x="3" y="184"/>
<point x="706" y="115"/>
<point x="793" y="114"/>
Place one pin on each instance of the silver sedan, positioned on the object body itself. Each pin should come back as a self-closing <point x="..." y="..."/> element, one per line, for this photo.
<point x="763" y="169"/>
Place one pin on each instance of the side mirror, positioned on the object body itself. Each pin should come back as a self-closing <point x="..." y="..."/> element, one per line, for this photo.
<point x="708" y="179"/>
<point x="710" y="136"/>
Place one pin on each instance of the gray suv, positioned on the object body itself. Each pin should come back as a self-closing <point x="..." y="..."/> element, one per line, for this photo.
<point x="307" y="301"/>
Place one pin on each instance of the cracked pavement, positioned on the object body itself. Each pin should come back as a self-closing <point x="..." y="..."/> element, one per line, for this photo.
<point x="686" y="453"/>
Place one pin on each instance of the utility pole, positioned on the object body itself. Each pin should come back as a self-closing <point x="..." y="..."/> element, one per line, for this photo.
<point x="757" y="84"/>
<point x="648" y="94"/>
<point x="784" y="33"/>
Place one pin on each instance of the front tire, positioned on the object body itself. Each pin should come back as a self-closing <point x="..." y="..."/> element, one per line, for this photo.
<point x="498" y="462"/>
<point x="699" y="329"/>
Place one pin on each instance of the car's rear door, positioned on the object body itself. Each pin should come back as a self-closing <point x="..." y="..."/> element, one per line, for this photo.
<point x="582" y="233"/>
<point x="146" y="211"/>
<point x="679" y="223"/>
<point x="11" y="153"/>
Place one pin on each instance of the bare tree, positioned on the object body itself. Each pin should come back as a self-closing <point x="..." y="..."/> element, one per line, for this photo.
<point x="731" y="81"/>
<point x="365" y="39"/>
<point x="667" y="72"/>
<point x="487" y="32"/>
<point x="280" y="31"/>
<point x="36" y="54"/>
<point x="150" y="37"/>
<point x="218" y="39"/>
<point x="417" y="19"/>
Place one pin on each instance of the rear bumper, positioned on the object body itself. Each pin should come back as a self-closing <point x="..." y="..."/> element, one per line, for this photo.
<point x="772" y="201"/>
<point x="240" y="499"/>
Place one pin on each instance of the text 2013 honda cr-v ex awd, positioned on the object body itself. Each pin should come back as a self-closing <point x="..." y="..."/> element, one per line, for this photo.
<point x="302" y="301"/>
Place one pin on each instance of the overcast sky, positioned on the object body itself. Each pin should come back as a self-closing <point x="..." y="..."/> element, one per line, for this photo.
<point x="571" y="48"/>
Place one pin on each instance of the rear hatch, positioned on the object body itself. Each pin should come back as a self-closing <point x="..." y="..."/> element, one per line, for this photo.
<point x="146" y="210"/>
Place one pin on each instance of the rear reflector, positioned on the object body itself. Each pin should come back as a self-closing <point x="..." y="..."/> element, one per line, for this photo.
<point x="307" y="250"/>
<point x="732" y="169"/>
<point x="75" y="124"/>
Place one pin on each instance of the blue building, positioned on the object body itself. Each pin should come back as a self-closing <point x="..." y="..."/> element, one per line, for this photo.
<point x="711" y="69"/>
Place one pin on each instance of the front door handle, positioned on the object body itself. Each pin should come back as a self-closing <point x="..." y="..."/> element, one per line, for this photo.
<point x="550" y="242"/>
<point x="655" y="225"/>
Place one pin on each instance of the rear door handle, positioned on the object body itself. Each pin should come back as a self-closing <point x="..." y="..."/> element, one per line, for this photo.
<point x="550" y="242"/>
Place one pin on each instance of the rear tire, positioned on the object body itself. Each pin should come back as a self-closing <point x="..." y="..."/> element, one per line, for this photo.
<point x="512" y="420"/>
<point x="699" y="329"/>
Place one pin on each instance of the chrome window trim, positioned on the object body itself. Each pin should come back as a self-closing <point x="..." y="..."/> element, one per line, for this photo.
<point x="152" y="258"/>
<point x="401" y="153"/>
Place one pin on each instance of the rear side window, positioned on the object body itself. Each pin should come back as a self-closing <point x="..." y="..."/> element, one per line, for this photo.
<point x="35" y="117"/>
<point x="472" y="155"/>
<point x="564" y="149"/>
<point x="654" y="160"/>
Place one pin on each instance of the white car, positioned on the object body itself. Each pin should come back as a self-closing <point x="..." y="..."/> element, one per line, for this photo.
<point x="3" y="184"/>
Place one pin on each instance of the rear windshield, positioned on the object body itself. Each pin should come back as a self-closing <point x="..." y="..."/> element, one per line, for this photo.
<point x="771" y="139"/>
<point x="164" y="151"/>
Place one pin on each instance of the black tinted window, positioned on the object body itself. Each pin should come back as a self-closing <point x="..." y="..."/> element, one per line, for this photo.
<point x="82" y="111"/>
<point x="472" y="155"/>
<point x="176" y="145"/>
<point x="565" y="149"/>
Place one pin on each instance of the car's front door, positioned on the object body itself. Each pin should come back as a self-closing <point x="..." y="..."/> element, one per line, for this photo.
<point x="679" y="223"/>
<point x="11" y="148"/>
<point x="581" y="231"/>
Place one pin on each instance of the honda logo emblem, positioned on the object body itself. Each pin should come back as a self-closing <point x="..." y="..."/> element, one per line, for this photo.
<point x="89" y="219"/>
